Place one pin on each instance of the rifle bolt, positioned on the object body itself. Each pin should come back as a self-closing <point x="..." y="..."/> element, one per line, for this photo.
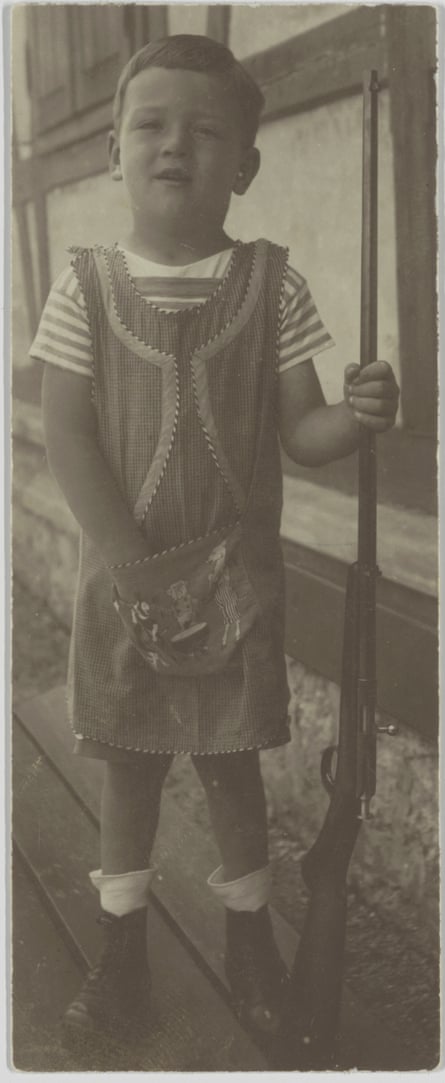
<point x="365" y="813"/>
<point x="391" y="729"/>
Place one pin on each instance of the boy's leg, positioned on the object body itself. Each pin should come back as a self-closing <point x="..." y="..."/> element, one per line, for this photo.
<point x="237" y="807"/>
<point x="130" y="806"/>
<point x="117" y="991"/>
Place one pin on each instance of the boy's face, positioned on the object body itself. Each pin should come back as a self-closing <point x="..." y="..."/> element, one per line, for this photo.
<point x="180" y="149"/>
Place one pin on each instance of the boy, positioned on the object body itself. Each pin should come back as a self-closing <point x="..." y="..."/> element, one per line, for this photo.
<point x="177" y="360"/>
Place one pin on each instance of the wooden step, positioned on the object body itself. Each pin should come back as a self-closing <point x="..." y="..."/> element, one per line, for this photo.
<point x="45" y="976"/>
<point x="194" y="1029"/>
<point x="184" y="855"/>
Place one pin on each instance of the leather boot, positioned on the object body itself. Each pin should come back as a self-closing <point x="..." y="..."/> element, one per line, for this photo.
<point x="116" y="993"/>
<point x="255" y="971"/>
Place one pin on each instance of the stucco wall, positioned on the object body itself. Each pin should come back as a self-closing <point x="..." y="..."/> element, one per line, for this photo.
<point x="92" y="211"/>
<point x="254" y="27"/>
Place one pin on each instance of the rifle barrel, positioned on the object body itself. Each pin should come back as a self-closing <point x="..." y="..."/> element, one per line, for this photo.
<point x="368" y="316"/>
<point x="367" y="487"/>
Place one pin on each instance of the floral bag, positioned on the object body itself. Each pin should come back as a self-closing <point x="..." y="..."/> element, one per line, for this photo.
<point x="198" y="605"/>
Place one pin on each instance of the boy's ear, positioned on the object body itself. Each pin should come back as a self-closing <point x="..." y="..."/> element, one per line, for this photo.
<point x="248" y="170"/>
<point x="114" y="157"/>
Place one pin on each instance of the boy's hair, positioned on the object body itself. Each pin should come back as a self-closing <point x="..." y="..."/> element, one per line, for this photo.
<point x="194" y="52"/>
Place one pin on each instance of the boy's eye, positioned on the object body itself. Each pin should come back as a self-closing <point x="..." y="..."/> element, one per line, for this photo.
<point x="151" y="125"/>
<point x="205" y="130"/>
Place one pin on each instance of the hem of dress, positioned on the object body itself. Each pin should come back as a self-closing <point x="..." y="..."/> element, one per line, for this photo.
<point x="100" y="745"/>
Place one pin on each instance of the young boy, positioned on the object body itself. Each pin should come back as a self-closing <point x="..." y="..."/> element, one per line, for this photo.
<point x="177" y="361"/>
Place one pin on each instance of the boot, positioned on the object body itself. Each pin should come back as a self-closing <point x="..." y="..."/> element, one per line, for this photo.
<point x="255" y="971"/>
<point x="115" y="996"/>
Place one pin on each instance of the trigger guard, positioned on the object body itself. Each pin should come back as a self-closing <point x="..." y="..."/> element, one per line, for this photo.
<point x="327" y="777"/>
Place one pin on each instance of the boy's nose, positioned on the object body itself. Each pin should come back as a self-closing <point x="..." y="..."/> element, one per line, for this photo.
<point x="176" y="141"/>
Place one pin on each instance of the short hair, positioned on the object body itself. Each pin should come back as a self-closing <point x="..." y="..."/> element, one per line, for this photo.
<point x="195" y="52"/>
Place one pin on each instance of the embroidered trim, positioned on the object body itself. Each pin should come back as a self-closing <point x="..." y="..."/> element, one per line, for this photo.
<point x="174" y="549"/>
<point x="281" y="303"/>
<point x="271" y="742"/>
<point x="277" y="347"/>
<point x="199" y="374"/>
<point x="103" y="255"/>
<point x="133" y="343"/>
<point x="169" y="425"/>
<point x="190" y="308"/>
<point x="234" y="326"/>
<point x="170" y="389"/>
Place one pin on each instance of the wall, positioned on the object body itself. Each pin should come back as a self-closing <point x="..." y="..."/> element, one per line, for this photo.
<point x="310" y="183"/>
<point x="254" y="27"/>
<point x="93" y="211"/>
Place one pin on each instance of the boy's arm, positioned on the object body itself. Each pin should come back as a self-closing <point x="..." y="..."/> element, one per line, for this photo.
<point x="313" y="433"/>
<point x="81" y="471"/>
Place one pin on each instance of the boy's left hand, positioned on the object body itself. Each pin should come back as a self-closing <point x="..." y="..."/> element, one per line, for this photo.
<point x="372" y="394"/>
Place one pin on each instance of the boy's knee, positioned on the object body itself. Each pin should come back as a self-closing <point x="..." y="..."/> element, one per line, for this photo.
<point x="205" y="769"/>
<point x="227" y="770"/>
<point x="151" y="769"/>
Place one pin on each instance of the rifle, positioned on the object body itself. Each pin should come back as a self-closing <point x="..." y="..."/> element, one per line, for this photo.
<point x="348" y="770"/>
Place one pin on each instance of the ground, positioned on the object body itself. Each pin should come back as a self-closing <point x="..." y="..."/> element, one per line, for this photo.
<point x="391" y="961"/>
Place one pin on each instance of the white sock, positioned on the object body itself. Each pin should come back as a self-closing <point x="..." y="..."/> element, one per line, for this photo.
<point x="124" y="892"/>
<point x="250" y="892"/>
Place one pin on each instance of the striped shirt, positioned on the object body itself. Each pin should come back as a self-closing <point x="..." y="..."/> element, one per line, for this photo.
<point x="64" y="338"/>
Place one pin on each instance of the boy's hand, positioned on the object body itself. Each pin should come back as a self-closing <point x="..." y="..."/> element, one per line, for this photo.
<point x="372" y="394"/>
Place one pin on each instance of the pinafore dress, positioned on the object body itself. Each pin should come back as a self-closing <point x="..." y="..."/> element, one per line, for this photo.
<point x="186" y="406"/>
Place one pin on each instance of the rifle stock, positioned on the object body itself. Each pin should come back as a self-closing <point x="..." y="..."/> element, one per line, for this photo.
<point x="311" y="1014"/>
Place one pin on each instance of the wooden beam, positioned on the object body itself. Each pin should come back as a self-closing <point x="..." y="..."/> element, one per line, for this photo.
<point x="24" y="240"/>
<point x="74" y="131"/>
<point x="59" y="167"/>
<point x="157" y="21"/>
<point x="412" y="64"/>
<point x="149" y="22"/>
<point x="42" y="246"/>
<point x="31" y="306"/>
<point x="322" y="80"/>
<point x="406" y="635"/>
<point x="322" y="63"/>
<point x="218" y="22"/>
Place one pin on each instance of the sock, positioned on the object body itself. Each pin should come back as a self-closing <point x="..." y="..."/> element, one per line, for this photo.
<point x="124" y="892"/>
<point x="250" y="892"/>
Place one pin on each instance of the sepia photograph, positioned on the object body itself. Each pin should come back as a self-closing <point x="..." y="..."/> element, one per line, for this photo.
<point x="223" y="266"/>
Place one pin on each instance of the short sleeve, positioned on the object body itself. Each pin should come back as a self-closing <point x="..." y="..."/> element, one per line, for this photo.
<point x="302" y="331"/>
<point x="63" y="337"/>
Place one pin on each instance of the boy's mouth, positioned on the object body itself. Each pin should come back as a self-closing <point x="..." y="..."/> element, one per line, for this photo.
<point x="175" y="176"/>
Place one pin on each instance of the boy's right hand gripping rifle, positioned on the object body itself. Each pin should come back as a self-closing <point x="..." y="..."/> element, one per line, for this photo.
<point x="348" y="770"/>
